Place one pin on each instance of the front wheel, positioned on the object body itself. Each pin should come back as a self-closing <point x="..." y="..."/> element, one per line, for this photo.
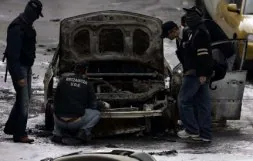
<point x="171" y="115"/>
<point x="49" y="118"/>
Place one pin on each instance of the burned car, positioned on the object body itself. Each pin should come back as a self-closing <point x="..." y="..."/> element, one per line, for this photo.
<point x="126" y="67"/>
<point x="128" y="70"/>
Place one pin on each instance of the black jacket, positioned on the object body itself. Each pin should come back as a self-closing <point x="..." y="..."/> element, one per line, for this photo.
<point x="195" y="53"/>
<point x="74" y="94"/>
<point x="20" y="50"/>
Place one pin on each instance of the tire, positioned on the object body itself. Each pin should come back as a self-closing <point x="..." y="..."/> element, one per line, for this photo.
<point x="49" y="118"/>
<point x="170" y="115"/>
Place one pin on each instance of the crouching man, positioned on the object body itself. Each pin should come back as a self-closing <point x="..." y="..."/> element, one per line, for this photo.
<point x="75" y="107"/>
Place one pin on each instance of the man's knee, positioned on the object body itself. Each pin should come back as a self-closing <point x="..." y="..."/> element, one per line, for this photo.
<point x="91" y="118"/>
<point x="96" y="115"/>
<point x="92" y="113"/>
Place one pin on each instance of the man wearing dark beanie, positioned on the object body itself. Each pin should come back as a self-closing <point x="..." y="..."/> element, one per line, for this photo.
<point x="194" y="99"/>
<point x="20" y="55"/>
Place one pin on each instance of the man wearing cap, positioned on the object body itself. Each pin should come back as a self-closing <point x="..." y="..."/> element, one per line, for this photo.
<point x="75" y="106"/>
<point x="20" y="55"/>
<point x="172" y="31"/>
<point x="194" y="99"/>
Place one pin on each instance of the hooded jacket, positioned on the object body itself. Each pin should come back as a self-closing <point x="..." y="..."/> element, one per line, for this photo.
<point x="20" y="50"/>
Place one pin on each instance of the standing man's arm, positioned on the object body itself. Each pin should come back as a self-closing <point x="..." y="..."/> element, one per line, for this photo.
<point x="203" y="56"/>
<point x="181" y="47"/>
<point x="14" y="47"/>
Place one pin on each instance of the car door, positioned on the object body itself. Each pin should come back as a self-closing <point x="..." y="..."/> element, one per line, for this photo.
<point x="228" y="94"/>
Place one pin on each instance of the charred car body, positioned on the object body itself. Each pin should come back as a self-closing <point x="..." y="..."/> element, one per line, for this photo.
<point x="126" y="66"/>
<point x="125" y="55"/>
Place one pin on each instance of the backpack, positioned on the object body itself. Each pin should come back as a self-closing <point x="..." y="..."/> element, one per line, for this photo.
<point x="220" y="67"/>
<point x="217" y="34"/>
<point x="220" y="53"/>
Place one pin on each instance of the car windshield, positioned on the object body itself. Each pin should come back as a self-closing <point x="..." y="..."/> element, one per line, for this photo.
<point x="248" y="10"/>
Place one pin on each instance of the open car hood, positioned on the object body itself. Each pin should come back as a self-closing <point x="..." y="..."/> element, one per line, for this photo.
<point x="111" y="36"/>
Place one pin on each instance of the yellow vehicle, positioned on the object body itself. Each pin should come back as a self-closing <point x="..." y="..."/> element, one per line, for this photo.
<point x="235" y="17"/>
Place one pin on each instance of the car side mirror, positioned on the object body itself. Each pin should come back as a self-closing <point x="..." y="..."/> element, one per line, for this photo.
<point x="233" y="8"/>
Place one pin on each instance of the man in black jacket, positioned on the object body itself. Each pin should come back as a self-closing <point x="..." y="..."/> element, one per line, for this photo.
<point x="194" y="99"/>
<point x="181" y="33"/>
<point x="75" y="106"/>
<point x="20" y="55"/>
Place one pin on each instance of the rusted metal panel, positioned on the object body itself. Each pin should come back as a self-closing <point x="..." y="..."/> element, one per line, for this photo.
<point x="126" y="66"/>
<point x="130" y="96"/>
<point x="110" y="127"/>
<point x="231" y="87"/>
<point x="131" y="114"/>
<point x="118" y="131"/>
<point x="127" y="23"/>
<point x="227" y="98"/>
<point x="227" y="109"/>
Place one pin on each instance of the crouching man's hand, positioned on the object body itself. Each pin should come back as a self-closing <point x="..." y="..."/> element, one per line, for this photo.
<point x="106" y="105"/>
<point x="102" y="105"/>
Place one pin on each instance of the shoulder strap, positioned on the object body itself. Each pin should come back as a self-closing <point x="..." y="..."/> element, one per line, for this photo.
<point x="200" y="29"/>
